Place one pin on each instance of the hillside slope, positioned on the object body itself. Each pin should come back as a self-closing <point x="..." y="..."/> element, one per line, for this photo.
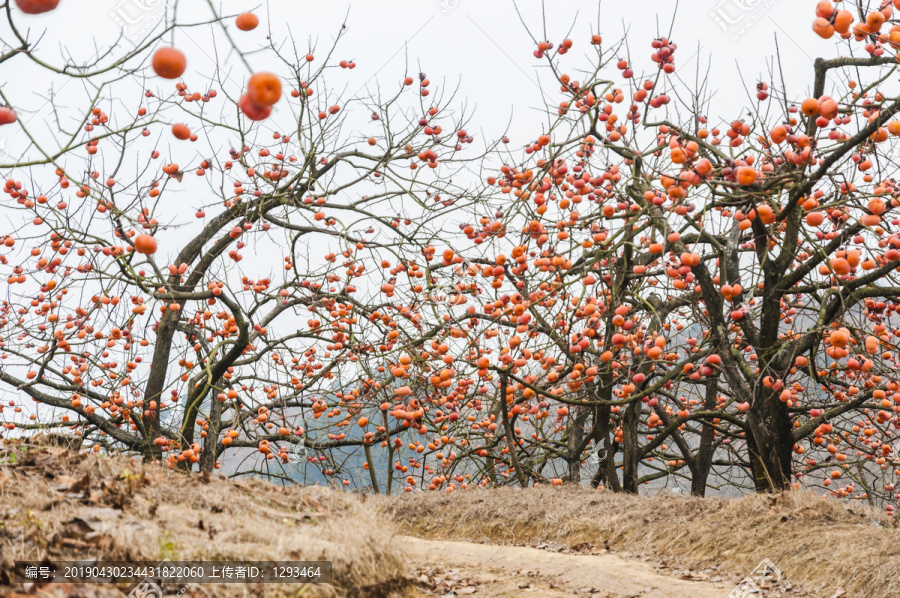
<point x="543" y="542"/>
<point x="823" y="545"/>
<point x="76" y="506"/>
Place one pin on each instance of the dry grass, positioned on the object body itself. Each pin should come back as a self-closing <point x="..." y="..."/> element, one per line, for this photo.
<point x="129" y="512"/>
<point x="818" y="543"/>
<point x="66" y="506"/>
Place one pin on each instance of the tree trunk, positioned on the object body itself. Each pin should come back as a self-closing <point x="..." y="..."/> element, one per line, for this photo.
<point x="575" y="445"/>
<point x="390" y="459"/>
<point x="770" y="443"/>
<point x="703" y="461"/>
<point x="510" y="437"/>
<point x="208" y="457"/>
<point x="630" y="447"/>
<point x="371" y="463"/>
<point x="150" y="452"/>
<point x="156" y="381"/>
<point x="606" y="470"/>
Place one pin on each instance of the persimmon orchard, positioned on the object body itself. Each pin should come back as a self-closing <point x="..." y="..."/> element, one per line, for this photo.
<point x="641" y="293"/>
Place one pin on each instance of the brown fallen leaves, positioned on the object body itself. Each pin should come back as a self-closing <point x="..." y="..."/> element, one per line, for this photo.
<point x="59" y="505"/>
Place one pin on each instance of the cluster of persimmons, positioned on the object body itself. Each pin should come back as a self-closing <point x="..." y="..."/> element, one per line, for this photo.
<point x="634" y="295"/>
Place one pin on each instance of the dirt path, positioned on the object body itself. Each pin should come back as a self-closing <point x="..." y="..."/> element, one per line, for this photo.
<point x="452" y="569"/>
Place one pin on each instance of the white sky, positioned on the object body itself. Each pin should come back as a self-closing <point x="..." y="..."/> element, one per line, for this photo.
<point x="483" y="45"/>
<point x="480" y="47"/>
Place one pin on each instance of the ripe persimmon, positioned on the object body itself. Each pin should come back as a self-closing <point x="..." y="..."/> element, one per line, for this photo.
<point x="810" y="107"/>
<point x="823" y="28"/>
<point x="839" y="338"/>
<point x="871" y="345"/>
<point x="181" y="131"/>
<point x="746" y="175"/>
<point x="840" y="266"/>
<point x="778" y="134"/>
<point x="824" y="9"/>
<point x="828" y="108"/>
<point x="7" y="115"/>
<point x="875" y="20"/>
<point x="145" y="244"/>
<point x="252" y="110"/>
<point x="264" y="89"/>
<point x="169" y="63"/>
<point x="842" y="21"/>
<point x="877" y="206"/>
<point x="36" y="7"/>
<point x="246" y="21"/>
<point x="766" y="214"/>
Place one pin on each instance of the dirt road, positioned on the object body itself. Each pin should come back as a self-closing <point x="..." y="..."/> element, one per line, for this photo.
<point x="450" y="569"/>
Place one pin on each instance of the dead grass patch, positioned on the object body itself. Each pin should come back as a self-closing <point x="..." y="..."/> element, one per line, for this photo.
<point x="819" y="543"/>
<point x="78" y="506"/>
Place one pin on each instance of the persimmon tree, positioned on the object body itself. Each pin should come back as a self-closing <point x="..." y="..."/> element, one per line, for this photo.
<point x="721" y="297"/>
<point x="147" y="333"/>
<point x="655" y="288"/>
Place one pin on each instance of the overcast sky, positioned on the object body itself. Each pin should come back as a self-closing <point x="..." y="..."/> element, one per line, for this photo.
<point x="482" y="45"/>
